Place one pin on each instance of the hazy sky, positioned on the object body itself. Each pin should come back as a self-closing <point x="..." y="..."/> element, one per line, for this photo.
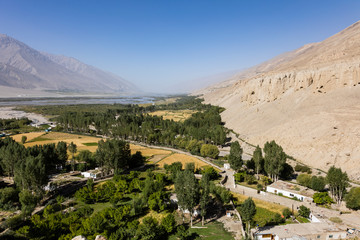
<point x="159" y="44"/>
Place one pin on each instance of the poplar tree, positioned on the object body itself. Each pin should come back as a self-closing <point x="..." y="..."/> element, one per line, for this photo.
<point x="248" y="211"/>
<point x="187" y="191"/>
<point x="258" y="159"/>
<point x="235" y="157"/>
<point x="338" y="181"/>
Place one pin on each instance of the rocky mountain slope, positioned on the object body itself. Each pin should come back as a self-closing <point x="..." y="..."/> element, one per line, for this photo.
<point x="308" y="100"/>
<point x="24" y="67"/>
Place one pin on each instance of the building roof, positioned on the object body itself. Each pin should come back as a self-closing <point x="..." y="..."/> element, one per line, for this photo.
<point x="294" y="188"/>
<point x="303" y="229"/>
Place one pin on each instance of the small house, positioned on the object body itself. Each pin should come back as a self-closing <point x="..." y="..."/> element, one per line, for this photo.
<point x="290" y="190"/>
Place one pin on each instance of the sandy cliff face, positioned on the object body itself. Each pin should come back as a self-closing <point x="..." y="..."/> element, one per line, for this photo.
<point x="308" y="100"/>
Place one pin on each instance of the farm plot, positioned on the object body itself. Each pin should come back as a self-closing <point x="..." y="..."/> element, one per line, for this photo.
<point x="29" y="136"/>
<point x="176" y="115"/>
<point x="178" y="157"/>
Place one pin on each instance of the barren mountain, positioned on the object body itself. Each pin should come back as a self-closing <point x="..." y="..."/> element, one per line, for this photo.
<point x="24" y="67"/>
<point x="308" y="100"/>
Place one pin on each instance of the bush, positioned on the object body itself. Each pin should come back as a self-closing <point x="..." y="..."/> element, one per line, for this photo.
<point x="213" y="174"/>
<point x="322" y="198"/>
<point x="353" y="199"/>
<point x="302" y="168"/>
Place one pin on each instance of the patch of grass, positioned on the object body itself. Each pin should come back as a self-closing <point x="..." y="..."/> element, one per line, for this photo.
<point x="90" y="144"/>
<point x="263" y="216"/>
<point x="39" y="139"/>
<point x="303" y="220"/>
<point x="336" y="220"/>
<point x="213" y="231"/>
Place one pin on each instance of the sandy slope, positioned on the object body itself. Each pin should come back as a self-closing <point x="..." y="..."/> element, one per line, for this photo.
<point x="307" y="100"/>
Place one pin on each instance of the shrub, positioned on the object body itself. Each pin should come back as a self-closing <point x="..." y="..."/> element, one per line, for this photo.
<point x="213" y="174"/>
<point x="322" y="198"/>
<point x="304" y="211"/>
<point x="317" y="183"/>
<point x="286" y="212"/>
<point x="304" y="179"/>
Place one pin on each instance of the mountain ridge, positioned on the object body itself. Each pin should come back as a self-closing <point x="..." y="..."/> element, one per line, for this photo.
<point x="24" y="67"/>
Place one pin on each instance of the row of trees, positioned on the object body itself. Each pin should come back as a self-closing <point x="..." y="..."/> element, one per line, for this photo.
<point x="191" y="193"/>
<point x="273" y="164"/>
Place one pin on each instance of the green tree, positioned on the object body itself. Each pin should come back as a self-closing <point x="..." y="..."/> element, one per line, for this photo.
<point x="28" y="202"/>
<point x="73" y="150"/>
<point x="304" y="211"/>
<point x="338" y="181"/>
<point x="23" y="139"/>
<point x="168" y="223"/>
<point x="61" y="150"/>
<point x="87" y="157"/>
<point x="286" y="212"/>
<point x="274" y="160"/>
<point x="113" y="154"/>
<point x="259" y="160"/>
<point x="235" y="157"/>
<point x="211" y="172"/>
<point x="352" y="199"/>
<point x="149" y="229"/>
<point x="204" y="195"/>
<point x="247" y="212"/>
<point x="187" y="191"/>
<point x="190" y="167"/>
<point x="31" y="174"/>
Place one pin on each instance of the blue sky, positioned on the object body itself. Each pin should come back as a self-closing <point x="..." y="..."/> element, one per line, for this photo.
<point x="160" y="44"/>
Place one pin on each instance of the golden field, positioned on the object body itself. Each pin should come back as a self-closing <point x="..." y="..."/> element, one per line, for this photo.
<point x="148" y="152"/>
<point x="30" y="136"/>
<point x="178" y="157"/>
<point x="55" y="137"/>
<point x="260" y="203"/>
<point x="176" y="115"/>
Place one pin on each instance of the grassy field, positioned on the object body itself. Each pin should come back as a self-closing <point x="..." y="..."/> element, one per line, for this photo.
<point x="213" y="231"/>
<point x="178" y="157"/>
<point x="176" y="115"/>
<point x="260" y="203"/>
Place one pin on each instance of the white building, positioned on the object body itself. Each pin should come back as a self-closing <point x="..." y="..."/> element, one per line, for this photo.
<point x="290" y="190"/>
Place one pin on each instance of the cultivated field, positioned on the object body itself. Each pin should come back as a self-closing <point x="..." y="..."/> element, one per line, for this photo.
<point x="176" y="115"/>
<point x="148" y="152"/>
<point x="55" y="137"/>
<point x="178" y="157"/>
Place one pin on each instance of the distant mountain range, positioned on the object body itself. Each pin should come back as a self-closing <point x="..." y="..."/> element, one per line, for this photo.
<point x="307" y="100"/>
<point x="23" y="67"/>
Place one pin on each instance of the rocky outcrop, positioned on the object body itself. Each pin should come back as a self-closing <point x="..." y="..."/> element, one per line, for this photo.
<point x="307" y="100"/>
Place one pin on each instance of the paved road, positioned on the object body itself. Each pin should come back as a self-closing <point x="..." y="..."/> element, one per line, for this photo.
<point x="352" y="219"/>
